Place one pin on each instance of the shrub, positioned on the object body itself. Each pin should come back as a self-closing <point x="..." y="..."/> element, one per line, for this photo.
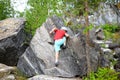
<point x="109" y="30"/>
<point x="103" y="74"/>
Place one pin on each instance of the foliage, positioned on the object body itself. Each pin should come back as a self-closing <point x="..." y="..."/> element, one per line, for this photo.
<point x="77" y="7"/>
<point x="111" y="27"/>
<point x="6" y="10"/>
<point x="109" y="30"/>
<point x="103" y="74"/>
<point x="76" y="27"/>
<point x="19" y="75"/>
<point x="88" y="28"/>
<point x="39" y="11"/>
<point x="35" y="16"/>
<point x="112" y="1"/>
<point x="116" y="37"/>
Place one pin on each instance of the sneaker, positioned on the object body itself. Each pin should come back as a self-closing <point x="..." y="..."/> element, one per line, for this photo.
<point x="51" y="43"/>
<point x="56" y="64"/>
<point x="63" y="46"/>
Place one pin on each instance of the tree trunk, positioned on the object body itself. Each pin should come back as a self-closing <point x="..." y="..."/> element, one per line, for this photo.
<point x="87" y="38"/>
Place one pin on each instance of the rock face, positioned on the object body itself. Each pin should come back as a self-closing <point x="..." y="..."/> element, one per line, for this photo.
<point x="45" y="77"/>
<point x="6" y="72"/>
<point x="39" y="58"/>
<point x="11" y="40"/>
<point x="117" y="57"/>
<point x="106" y="14"/>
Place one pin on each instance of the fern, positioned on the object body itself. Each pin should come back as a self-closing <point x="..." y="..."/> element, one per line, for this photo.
<point x="103" y="74"/>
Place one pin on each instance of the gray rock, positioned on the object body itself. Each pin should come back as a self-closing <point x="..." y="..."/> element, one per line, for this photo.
<point x="105" y="14"/>
<point x="96" y="34"/>
<point x="12" y="37"/>
<point x="9" y="77"/>
<point x="117" y="53"/>
<point x="46" y="77"/>
<point x="114" y="45"/>
<point x="117" y="67"/>
<point x="5" y="72"/>
<point x="39" y="58"/>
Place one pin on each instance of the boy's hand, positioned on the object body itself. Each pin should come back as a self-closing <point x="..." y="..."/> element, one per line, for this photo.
<point x="67" y="35"/>
<point x="50" y="32"/>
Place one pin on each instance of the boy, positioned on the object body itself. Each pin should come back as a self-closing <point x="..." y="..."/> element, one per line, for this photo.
<point x="60" y="39"/>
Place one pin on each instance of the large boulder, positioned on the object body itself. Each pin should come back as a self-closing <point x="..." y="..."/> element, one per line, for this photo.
<point x="12" y="37"/>
<point x="46" y="77"/>
<point x="105" y="14"/>
<point x="6" y="72"/>
<point x="39" y="57"/>
<point x="117" y="57"/>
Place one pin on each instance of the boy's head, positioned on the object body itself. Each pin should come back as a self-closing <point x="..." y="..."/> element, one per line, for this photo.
<point x="64" y="28"/>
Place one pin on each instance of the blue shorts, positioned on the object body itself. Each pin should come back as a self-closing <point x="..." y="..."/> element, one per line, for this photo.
<point x="58" y="43"/>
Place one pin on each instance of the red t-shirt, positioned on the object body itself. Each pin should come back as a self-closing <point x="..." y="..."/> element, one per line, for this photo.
<point x="59" y="34"/>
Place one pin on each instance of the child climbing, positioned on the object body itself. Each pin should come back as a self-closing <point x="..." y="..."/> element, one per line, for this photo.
<point x="59" y="39"/>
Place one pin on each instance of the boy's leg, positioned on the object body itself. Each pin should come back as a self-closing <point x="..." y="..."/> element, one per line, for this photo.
<point x="63" y="46"/>
<point x="57" y="49"/>
<point x="64" y="41"/>
<point x="56" y="58"/>
<point x="57" y="45"/>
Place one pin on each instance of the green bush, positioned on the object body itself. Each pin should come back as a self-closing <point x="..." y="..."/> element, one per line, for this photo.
<point x="112" y="28"/>
<point x="109" y="30"/>
<point x="103" y="74"/>
<point x="19" y="75"/>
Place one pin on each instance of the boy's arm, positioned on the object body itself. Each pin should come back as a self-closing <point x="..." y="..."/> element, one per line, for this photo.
<point x="67" y="35"/>
<point x="53" y="30"/>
